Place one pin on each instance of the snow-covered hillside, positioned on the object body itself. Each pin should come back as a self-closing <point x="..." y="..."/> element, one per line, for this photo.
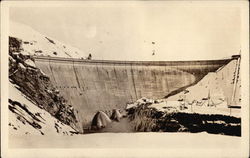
<point x="26" y="118"/>
<point x="34" y="43"/>
<point x="211" y="95"/>
<point x="218" y="86"/>
<point x="35" y="106"/>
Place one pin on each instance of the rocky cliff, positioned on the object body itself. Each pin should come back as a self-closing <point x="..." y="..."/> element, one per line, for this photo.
<point x="36" y="87"/>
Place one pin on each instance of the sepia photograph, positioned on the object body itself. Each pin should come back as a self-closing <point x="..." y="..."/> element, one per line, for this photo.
<point x="125" y="79"/>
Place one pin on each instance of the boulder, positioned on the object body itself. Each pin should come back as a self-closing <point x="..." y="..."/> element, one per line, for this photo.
<point x="116" y="115"/>
<point x="100" y="120"/>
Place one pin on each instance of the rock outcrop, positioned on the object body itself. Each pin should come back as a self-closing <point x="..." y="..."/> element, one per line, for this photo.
<point x="36" y="86"/>
<point x="145" y="118"/>
<point x="100" y="120"/>
<point x="116" y="115"/>
<point x="26" y="118"/>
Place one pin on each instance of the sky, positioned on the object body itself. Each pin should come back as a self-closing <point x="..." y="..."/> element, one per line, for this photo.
<point x="140" y="31"/>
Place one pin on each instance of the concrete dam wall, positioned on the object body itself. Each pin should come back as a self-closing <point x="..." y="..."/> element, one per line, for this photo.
<point x="92" y="85"/>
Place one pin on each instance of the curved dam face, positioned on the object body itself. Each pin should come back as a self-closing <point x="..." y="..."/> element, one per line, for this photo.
<point x="92" y="85"/>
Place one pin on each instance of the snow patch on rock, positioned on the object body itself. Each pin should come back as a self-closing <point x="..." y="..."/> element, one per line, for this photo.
<point x="30" y="63"/>
<point x="26" y="118"/>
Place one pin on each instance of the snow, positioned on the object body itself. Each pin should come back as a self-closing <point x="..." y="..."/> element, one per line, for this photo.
<point x="48" y="122"/>
<point x="169" y="106"/>
<point x="29" y="62"/>
<point x="219" y="85"/>
<point x="166" y="106"/>
<point x="175" y="106"/>
<point x="226" y="146"/>
<point x="21" y="66"/>
<point x="11" y="59"/>
<point x="140" y="101"/>
<point x="131" y="106"/>
<point x="34" y="43"/>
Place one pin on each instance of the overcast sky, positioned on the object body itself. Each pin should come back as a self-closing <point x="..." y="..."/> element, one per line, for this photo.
<point x="134" y="32"/>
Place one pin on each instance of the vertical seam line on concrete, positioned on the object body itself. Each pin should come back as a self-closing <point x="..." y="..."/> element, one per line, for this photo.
<point x="165" y="72"/>
<point x="52" y="72"/>
<point x="117" y="83"/>
<point x="76" y="75"/>
<point x="125" y="70"/>
<point x="85" y="85"/>
<point x="95" y="65"/>
<point x="133" y="80"/>
<point x="98" y="74"/>
<point x="97" y="69"/>
<point x="144" y="85"/>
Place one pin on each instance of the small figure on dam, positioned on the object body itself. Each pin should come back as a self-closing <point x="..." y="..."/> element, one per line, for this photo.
<point x="89" y="57"/>
<point x="153" y="53"/>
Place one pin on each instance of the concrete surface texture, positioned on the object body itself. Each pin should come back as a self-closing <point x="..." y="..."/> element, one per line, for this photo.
<point x="92" y="85"/>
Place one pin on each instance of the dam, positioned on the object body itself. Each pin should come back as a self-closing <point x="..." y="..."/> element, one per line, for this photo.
<point x="93" y="85"/>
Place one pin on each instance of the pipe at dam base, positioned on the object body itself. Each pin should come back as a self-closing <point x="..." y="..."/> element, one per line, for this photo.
<point x="93" y="85"/>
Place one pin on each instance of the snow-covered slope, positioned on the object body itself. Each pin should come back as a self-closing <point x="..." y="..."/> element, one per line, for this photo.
<point x="34" y="43"/>
<point x="211" y="95"/>
<point x="35" y="106"/>
<point x="26" y="118"/>
<point x="216" y="85"/>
